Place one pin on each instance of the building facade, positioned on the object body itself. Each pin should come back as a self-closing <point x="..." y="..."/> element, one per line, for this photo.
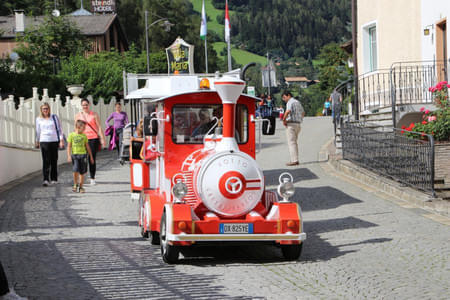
<point x="402" y="50"/>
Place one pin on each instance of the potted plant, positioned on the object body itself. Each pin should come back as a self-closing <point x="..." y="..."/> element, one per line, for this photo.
<point x="437" y="124"/>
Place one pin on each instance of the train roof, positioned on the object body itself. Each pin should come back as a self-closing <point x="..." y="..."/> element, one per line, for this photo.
<point x="160" y="87"/>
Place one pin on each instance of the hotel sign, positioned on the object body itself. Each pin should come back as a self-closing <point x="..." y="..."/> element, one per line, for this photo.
<point x="180" y="57"/>
<point x="103" y="6"/>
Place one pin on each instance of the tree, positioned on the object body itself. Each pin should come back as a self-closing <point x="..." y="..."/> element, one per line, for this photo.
<point x="101" y="73"/>
<point x="333" y="68"/>
<point x="57" y="38"/>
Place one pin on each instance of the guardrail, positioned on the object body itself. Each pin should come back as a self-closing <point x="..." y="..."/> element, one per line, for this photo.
<point x="391" y="154"/>
<point x="374" y="90"/>
<point x="410" y="81"/>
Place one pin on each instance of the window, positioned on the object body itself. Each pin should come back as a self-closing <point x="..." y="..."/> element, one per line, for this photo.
<point x="370" y="47"/>
<point x="373" y="48"/>
<point x="190" y="123"/>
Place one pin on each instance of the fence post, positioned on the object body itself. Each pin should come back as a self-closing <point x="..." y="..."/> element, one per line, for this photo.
<point x="2" y="120"/>
<point x="34" y="110"/>
<point x="45" y="95"/>
<point x="12" y="117"/>
<point x="21" y="120"/>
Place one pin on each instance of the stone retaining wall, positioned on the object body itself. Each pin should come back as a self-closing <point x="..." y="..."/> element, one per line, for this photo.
<point x="442" y="162"/>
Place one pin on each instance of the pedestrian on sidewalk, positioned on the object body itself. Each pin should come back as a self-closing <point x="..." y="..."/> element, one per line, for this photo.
<point x="49" y="137"/>
<point x="292" y="120"/>
<point x="120" y="119"/>
<point x="94" y="133"/>
<point x="327" y="107"/>
<point x="5" y="292"/>
<point x="336" y="100"/>
<point x="77" y="150"/>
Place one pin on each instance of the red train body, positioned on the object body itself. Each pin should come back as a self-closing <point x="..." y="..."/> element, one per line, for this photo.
<point x="199" y="181"/>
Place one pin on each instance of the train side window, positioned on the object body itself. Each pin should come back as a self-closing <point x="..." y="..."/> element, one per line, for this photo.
<point x="190" y="123"/>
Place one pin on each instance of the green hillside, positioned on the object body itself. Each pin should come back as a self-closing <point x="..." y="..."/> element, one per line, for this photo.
<point x="211" y="13"/>
<point x="240" y="56"/>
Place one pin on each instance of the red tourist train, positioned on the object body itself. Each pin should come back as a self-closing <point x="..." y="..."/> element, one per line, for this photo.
<point x="196" y="176"/>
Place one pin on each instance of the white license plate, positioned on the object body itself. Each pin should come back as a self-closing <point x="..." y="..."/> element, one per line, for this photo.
<point x="235" y="228"/>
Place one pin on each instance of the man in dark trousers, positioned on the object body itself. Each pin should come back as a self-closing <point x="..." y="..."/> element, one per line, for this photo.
<point x="5" y="292"/>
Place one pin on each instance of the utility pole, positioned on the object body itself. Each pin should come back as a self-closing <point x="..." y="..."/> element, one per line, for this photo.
<point x="268" y="71"/>
<point x="146" y="41"/>
<point x="355" y="56"/>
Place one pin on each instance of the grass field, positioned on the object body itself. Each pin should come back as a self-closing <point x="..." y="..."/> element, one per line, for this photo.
<point x="241" y="56"/>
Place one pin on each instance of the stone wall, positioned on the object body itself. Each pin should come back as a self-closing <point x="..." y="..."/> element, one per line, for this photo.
<point x="442" y="162"/>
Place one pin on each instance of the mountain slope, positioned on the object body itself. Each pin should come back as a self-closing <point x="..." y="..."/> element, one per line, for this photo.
<point x="242" y="57"/>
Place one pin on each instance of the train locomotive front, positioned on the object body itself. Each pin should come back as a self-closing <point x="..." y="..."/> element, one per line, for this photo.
<point x="213" y="192"/>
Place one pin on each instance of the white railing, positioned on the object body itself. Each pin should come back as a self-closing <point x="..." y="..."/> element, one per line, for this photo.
<point x="17" y="126"/>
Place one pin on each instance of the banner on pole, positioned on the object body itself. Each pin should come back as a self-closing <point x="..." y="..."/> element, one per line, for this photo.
<point x="269" y="72"/>
<point x="180" y="57"/>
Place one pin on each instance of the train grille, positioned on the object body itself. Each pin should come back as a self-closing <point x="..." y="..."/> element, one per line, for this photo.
<point x="190" y="198"/>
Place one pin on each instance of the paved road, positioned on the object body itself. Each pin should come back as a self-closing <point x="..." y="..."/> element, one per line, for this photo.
<point x="58" y="245"/>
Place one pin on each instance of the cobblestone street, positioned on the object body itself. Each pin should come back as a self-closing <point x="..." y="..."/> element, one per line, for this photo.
<point x="55" y="244"/>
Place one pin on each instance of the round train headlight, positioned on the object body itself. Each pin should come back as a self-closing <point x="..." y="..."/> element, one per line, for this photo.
<point x="286" y="188"/>
<point x="179" y="189"/>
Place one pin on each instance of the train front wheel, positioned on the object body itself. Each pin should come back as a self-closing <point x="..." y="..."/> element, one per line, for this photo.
<point x="169" y="253"/>
<point x="291" y="252"/>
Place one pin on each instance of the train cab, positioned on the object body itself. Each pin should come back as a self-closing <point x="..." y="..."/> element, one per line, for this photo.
<point x="194" y="169"/>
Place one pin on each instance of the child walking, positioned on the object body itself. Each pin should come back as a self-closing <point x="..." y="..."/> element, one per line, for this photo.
<point x="77" y="151"/>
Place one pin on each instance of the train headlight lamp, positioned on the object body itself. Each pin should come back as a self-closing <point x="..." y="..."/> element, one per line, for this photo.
<point x="286" y="188"/>
<point x="179" y="188"/>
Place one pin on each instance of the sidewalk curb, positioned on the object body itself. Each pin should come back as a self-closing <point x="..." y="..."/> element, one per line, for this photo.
<point x="387" y="188"/>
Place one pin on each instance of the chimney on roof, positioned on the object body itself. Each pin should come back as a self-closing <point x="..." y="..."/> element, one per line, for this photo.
<point x="20" y="20"/>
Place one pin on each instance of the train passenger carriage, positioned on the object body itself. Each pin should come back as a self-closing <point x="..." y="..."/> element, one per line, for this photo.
<point x="196" y="176"/>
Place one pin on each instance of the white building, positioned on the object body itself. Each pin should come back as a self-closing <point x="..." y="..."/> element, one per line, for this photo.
<point x="402" y="50"/>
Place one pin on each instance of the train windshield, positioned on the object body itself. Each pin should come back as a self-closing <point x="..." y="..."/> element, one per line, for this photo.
<point x="190" y="123"/>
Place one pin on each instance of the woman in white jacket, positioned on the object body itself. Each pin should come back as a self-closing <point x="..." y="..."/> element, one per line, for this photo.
<point x="49" y="137"/>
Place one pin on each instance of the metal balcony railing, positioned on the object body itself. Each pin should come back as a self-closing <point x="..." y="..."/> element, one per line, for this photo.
<point x="404" y="83"/>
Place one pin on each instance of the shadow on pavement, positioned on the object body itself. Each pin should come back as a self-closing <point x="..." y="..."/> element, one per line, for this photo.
<point x="300" y="174"/>
<point x="320" y="198"/>
<point x="126" y="268"/>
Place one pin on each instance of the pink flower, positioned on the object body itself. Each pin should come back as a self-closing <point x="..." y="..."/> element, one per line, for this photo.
<point x="431" y="118"/>
<point x="422" y="109"/>
<point x="448" y="85"/>
<point x="427" y="112"/>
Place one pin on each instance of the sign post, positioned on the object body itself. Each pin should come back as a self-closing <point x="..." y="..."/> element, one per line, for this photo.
<point x="180" y="57"/>
<point x="251" y="91"/>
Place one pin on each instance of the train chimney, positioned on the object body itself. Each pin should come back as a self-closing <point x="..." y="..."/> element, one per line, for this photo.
<point x="229" y="89"/>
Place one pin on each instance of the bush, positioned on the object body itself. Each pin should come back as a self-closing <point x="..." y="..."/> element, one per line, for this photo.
<point x="436" y="123"/>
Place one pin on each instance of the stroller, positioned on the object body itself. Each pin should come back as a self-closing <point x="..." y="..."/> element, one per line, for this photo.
<point x="124" y="152"/>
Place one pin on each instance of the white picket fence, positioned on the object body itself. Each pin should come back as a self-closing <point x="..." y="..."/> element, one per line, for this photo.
<point x="17" y="127"/>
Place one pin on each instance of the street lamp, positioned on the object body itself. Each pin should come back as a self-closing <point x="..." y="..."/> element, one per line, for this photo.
<point x="166" y="24"/>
